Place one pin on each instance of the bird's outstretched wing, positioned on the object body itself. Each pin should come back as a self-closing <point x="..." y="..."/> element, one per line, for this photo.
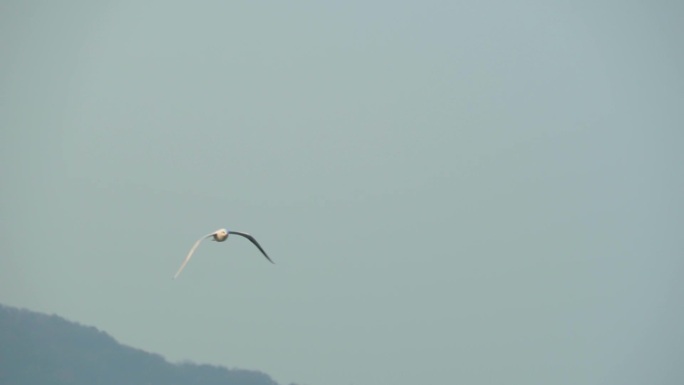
<point x="185" y="262"/>
<point x="251" y="239"/>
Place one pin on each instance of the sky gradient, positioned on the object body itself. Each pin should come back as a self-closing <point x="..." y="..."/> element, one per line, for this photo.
<point x="452" y="192"/>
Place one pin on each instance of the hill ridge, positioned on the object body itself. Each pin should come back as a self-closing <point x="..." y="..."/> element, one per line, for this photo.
<point x="40" y="348"/>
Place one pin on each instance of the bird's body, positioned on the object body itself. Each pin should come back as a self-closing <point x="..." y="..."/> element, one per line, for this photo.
<point x="219" y="235"/>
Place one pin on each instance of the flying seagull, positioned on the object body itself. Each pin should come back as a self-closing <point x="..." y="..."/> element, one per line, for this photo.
<point x="220" y="235"/>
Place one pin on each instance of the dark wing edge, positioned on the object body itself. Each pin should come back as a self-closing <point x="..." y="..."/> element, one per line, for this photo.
<point x="254" y="241"/>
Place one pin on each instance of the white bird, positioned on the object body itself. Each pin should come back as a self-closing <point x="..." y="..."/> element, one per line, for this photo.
<point x="220" y="235"/>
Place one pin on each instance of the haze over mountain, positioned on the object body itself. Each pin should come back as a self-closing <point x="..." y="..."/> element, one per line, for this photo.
<point x="37" y="348"/>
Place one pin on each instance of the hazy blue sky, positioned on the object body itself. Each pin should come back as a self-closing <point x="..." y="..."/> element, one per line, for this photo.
<point x="452" y="192"/>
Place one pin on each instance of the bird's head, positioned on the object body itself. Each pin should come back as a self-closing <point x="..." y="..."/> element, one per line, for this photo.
<point x="220" y="235"/>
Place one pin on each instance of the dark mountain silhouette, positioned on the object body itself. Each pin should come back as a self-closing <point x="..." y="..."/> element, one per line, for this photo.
<point x="36" y="348"/>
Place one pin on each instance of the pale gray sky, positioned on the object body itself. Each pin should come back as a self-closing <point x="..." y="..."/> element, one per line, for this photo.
<point x="475" y="192"/>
